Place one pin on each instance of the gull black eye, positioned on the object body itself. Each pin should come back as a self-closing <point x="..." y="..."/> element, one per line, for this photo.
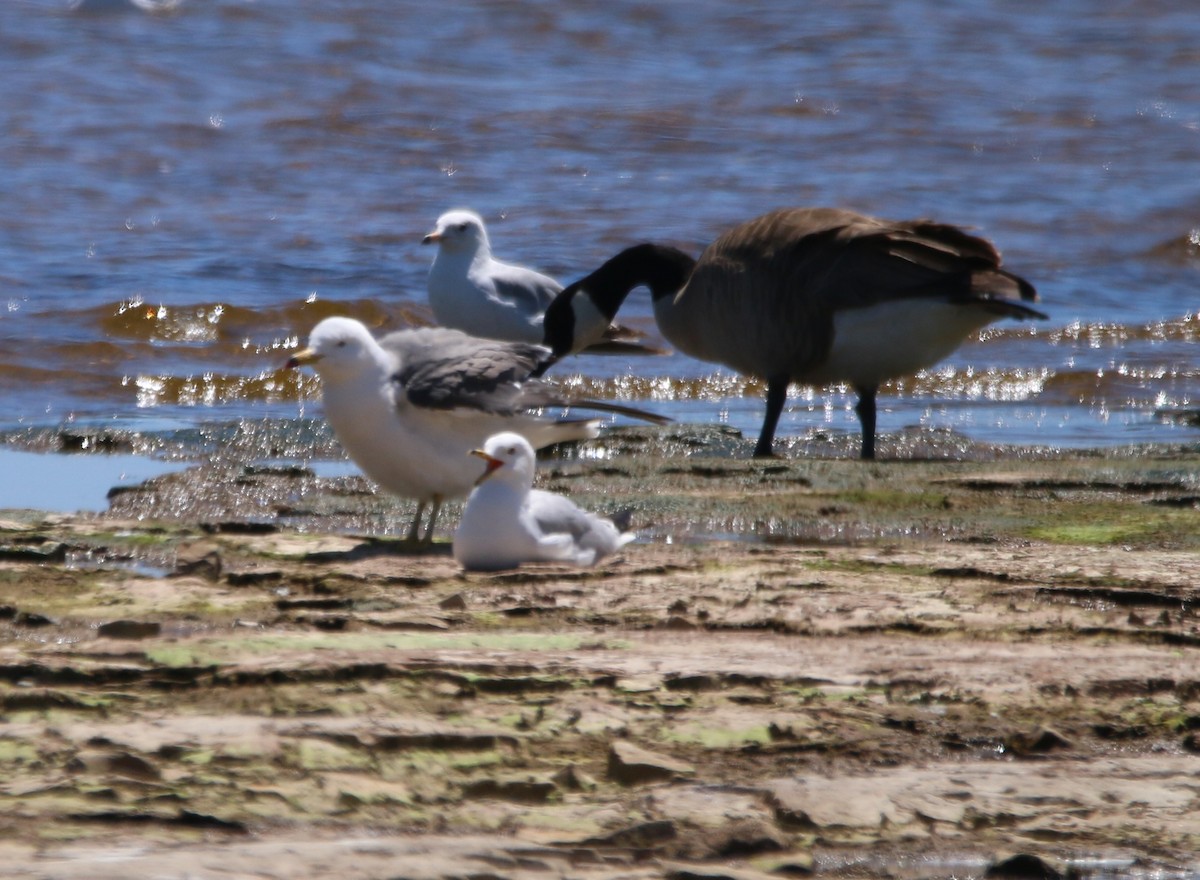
<point x="462" y="227"/>
<point x="512" y="450"/>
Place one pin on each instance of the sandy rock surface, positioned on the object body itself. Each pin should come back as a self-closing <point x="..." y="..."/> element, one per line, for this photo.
<point x="805" y="666"/>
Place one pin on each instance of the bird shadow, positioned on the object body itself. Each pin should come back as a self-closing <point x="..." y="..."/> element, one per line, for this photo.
<point x="375" y="548"/>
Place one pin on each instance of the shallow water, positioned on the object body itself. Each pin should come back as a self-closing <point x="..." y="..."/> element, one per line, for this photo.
<point x="187" y="192"/>
<point x="70" y="483"/>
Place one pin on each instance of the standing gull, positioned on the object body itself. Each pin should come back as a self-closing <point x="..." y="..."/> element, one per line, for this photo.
<point x="507" y="522"/>
<point x="472" y="291"/>
<point x="409" y="407"/>
<point x="810" y="295"/>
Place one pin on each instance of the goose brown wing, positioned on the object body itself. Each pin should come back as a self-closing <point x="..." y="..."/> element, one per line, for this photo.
<point x="871" y="262"/>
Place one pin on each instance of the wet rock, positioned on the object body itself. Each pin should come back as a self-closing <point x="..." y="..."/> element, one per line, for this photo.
<point x="643" y="835"/>
<point x="442" y="739"/>
<point x="1179" y="415"/>
<point x="746" y="837"/>
<point x="678" y="622"/>
<point x="630" y="765"/>
<point x="526" y="791"/>
<point x="293" y="471"/>
<point x="325" y="622"/>
<point x="529" y="610"/>
<point x="253" y="576"/>
<point x="789" y="865"/>
<point x="36" y="550"/>
<point x="323" y="603"/>
<point x="1038" y="742"/>
<point x="1023" y="866"/>
<point x="239" y="527"/>
<point x="803" y="805"/>
<point x="681" y="871"/>
<point x="32" y="618"/>
<point x="113" y="764"/>
<point x="41" y="699"/>
<point x="192" y="819"/>
<point x="102" y="441"/>
<point x="129" y="629"/>
<point x="200" y="559"/>
<point x="118" y="493"/>
<point x="1191" y="722"/>
<point x="1120" y="731"/>
<point x="572" y="778"/>
<point x="692" y="682"/>
<point x="405" y="622"/>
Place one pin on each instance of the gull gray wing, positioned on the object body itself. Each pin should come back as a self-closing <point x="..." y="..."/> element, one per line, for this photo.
<point x="439" y="368"/>
<point x="557" y="515"/>
<point x="528" y="291"/>
<point x="536" y="394"/>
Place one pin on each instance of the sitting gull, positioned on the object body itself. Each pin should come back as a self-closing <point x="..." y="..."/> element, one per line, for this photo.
<point x="472" y="291"/>
<point x="507" y="522"/>
<point x="409" y="407"/>
<point x="809" y="295"/>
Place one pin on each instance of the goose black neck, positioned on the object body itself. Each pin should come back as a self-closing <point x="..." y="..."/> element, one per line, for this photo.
<point x="663" y="269"/>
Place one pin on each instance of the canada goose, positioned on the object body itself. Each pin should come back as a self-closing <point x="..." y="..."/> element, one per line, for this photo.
<point x="507" y="522"/>
<point x="409" y="407"/>
<point x="472" y="291"/>
<point x="810" y="295"/>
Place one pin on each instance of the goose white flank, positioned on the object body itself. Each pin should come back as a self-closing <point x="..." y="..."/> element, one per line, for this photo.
<point x="810" y="295"/>
<point x="506" y="522"/>
<point x="408" y="408"/>
<point x="472" y="291"/>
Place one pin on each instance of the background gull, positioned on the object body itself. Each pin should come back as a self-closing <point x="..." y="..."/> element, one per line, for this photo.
<point x="472" y="291"/>
<point x="507" y="522"/>
<point x="409" y="407"/>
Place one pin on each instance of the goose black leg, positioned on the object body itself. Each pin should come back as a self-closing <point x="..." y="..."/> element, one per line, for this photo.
<point x="866" y="417"/>
<point x="777" y="389"/>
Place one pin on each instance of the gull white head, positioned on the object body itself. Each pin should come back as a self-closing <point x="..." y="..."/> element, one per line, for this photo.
<point x="459" y="231"/>
<point x="510" y="460"/>
<point x="337" y="346"/>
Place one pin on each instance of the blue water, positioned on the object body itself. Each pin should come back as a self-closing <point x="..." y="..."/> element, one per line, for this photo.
<point x="70" y="483"/>
<point x="185" y="193"/>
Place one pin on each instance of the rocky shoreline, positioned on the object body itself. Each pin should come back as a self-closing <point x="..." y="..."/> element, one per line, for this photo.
<point x="912" y="668"/>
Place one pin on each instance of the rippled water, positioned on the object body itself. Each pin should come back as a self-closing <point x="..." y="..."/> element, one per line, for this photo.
<point x="186" y="192"/>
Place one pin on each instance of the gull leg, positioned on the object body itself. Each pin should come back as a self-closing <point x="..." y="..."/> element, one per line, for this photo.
<point x="415" y="528"/>
<point x="437" y="506"/>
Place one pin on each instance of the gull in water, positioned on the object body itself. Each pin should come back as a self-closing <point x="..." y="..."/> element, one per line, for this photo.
<point x="409" y="407"/>
<point x="472" y="291"/>
<point x="507" y="522"/>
